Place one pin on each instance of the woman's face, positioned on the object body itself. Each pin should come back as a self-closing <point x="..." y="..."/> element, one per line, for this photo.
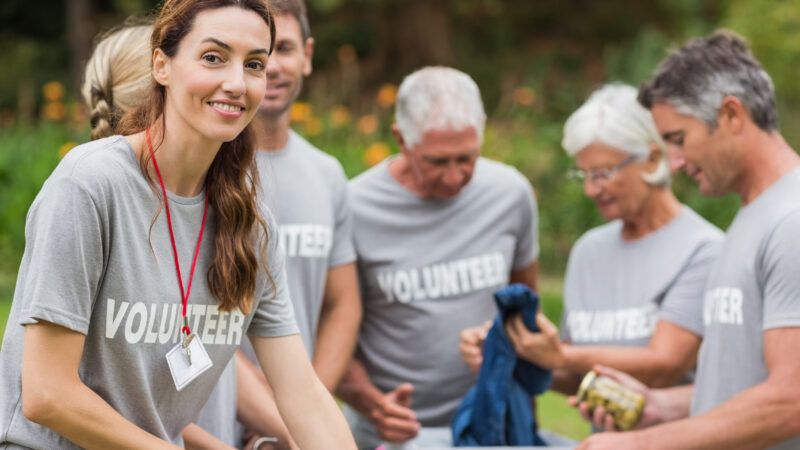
<point x="217" y="77"/>
<point x="613" y="180"/>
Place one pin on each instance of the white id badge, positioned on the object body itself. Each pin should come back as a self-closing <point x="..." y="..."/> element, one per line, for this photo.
<point x="186" y="366"/>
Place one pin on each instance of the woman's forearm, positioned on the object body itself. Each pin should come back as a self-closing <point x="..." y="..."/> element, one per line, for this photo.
<point x="314" y="420"/>
<point x="196" y="438"/>
<point x="255" y="405"/>
<point x="54" y="396"/>
<point x="80" y="415"/>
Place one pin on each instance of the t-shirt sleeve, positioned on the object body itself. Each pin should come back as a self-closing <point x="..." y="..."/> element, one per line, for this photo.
<point x="683" y="302"/>
<point x="274" y="314"/>
<point x="781" y="270"/>
<point x="527" y="250"/>
<point x="63" y="262"/>
<point x="563" y="330"/>
<point x="342" y="248"/>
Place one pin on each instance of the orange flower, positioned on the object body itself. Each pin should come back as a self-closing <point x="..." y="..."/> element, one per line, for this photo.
<point x="368" y="124"/>
<point x="387" y="95"/>
<point x="524" y="96"/>
<point x="54" y="111"/>
<point x="65" y="148"/>
<point x="340" y="116"/>
<point x="376" y="153"/>
<point x="53" y="91"/>
<point x="301" y="112"/>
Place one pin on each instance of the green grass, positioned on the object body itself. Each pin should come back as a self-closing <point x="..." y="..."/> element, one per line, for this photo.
<point x="550" y="296"/>
<point x="555" y="414"/>
<point x="553" y="411"/>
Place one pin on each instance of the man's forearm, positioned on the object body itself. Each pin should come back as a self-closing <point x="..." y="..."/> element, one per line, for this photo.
<point x="642" y="363"/>
<point x="672" y="351"/>
<point x="672" y="403"/>
<point x="339" y="322"/>
<point x="336" y="339"/>
<point x="757" y="418"/>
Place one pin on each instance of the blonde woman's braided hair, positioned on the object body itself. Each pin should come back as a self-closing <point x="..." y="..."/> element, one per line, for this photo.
<point x="117" y="77"/>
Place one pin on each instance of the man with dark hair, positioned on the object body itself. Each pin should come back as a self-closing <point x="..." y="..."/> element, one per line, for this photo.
<point x="714" y="105"/>
<point x="306" y="190"/>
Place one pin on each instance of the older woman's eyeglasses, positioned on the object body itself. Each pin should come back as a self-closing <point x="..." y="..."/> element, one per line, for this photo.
<point x="599" y="176"/>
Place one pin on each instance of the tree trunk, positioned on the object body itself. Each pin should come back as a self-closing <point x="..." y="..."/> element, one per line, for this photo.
<point x="412" y="34"/>
<point x="80" y="30"/>
<point x="422" y="34"/>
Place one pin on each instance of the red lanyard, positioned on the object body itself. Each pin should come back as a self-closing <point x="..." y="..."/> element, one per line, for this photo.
<point x="184" y="295"/>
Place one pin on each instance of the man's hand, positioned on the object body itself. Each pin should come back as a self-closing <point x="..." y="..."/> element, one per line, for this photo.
<point x="393" y="417"/>
<point x="471" y="345"/>
<point x="542" y="348"/>
<point x="654" y="409"/>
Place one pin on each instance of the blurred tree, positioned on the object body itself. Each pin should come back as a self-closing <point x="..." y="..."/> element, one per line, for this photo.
<point x="773" y="29"/>
<point x="79" y="37"/>
<point x="535" y="61"/>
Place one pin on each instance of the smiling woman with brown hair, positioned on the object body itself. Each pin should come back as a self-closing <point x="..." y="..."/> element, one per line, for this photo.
<point x="119" y="342"/>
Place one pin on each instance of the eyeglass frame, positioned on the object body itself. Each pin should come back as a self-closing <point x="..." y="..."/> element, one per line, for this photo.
<point x="600" y="176"/>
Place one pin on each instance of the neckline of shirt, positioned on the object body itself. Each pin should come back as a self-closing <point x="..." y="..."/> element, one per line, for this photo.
<point x="188" y="201"/>
<point x="280" y="152"/>
<point x="684" y="211"/>
<point x="383" y="168"/>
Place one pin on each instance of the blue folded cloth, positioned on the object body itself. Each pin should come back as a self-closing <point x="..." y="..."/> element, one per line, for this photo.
<point x="497" y="410"/>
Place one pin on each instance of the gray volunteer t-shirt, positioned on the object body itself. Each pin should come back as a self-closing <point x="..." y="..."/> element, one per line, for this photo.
<point x="218" y="416"/>
<point x="94" y="265"/>
<point x="428" y="269"/>
<point x="616" y="290"/>
<point x="307" y="191"/>
<point x="753" y="287"/>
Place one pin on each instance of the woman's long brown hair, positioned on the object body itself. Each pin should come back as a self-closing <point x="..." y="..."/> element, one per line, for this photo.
<point x="232" y="180"/>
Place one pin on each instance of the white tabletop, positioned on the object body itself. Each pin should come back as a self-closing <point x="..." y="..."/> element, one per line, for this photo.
<point x="440" y="439"/>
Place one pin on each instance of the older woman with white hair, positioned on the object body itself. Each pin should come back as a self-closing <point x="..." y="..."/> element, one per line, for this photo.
<point x="633" y="291"/>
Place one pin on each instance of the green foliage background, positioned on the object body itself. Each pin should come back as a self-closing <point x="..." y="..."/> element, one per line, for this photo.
<point x="558" y="51"/>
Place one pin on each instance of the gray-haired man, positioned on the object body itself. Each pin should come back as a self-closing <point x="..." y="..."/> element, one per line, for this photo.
<point x="715" y="107"/>
<point x="437" y="230"/>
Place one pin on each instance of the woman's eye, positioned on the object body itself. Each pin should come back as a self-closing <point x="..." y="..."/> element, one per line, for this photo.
<point x="256" y="65"/>
<point x="211" y="58"/>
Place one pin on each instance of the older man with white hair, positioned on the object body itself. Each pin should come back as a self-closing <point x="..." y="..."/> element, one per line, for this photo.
<point x="437" y="230"/>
